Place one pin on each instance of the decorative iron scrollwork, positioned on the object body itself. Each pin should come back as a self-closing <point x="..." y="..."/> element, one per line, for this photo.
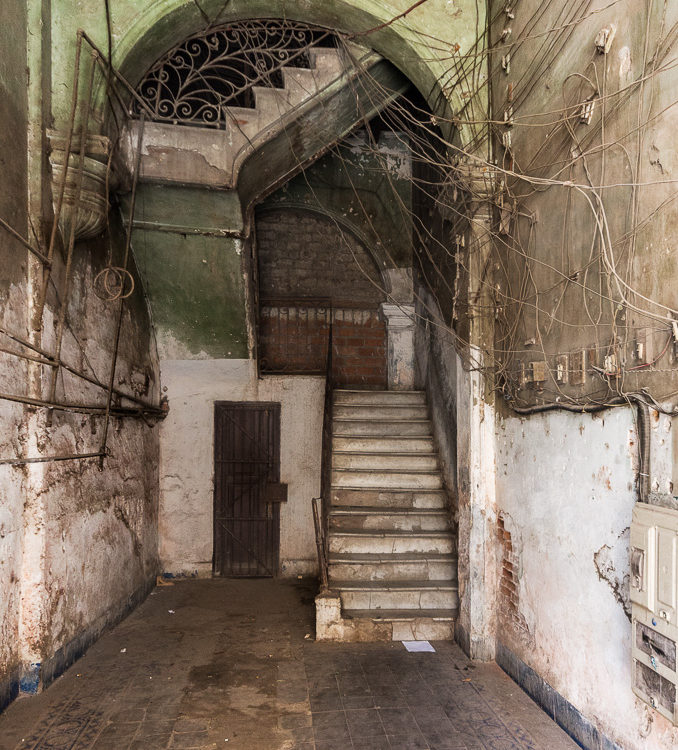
<point x="194" y="82"/>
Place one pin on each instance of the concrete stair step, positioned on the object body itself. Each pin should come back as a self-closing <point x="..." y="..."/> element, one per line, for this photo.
<point x="344" y="427"/>
<point x="390" y="542"/>
<point x="301" y="83"/>
<point x="388" y="498"/>
<point x="355" y="518"/>
<point x="412" y="566"/>
<point x="375" y="398"/>
<point x="379" y="461"/>
<point x="379" y="411"/>
<point x="397" y="595"/>
<point x="272" y="103"/>
<point x="431" y="480"/>
<point x="242" y="123"/>
<point x="328" y="62"/>
<point x="382" y="444"/>
<point x="413" y="625"/>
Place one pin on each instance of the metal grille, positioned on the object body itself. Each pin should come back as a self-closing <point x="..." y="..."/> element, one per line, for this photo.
<point x="246" y="468"/>
<point x="194" y="82"/>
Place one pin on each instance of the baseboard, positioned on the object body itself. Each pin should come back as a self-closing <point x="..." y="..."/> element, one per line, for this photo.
<point x="558" y="708"/>
<point x="9" y="690"/>
<point x="37" y="676"/>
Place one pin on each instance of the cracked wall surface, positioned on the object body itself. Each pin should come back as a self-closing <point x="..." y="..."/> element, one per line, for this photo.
<point x="14" y="315"/>
<point x="78" y="540"/>
<point x="566" y="489"/>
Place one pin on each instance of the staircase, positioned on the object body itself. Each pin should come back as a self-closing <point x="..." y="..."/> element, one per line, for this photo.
<point x="391" y="547"/>
<point x="214" y="156"/>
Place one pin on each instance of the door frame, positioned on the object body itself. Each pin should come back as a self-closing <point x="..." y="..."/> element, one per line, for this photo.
<point x="276" y="408"/>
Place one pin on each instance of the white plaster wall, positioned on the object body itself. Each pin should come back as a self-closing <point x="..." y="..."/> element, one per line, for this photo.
<point x="187" y="459"/>
<point x="566" y="489"/>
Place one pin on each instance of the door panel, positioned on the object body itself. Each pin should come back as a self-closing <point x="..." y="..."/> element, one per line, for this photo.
<point x="246" y="469"/>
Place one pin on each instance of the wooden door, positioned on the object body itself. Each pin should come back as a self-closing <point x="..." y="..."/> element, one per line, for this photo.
<point x="246" y="489"/>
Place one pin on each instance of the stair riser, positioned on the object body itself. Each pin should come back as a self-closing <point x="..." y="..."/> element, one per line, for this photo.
<point x="399" y="599"/>
<point x="395" y="499"/>
<point x="377" y="462"/>
<point x="272" y="103"/>
<point x="387" y="398"/>
<point x="399" y="480"/>
<point x="326" y="60"/>
<point x="390" y="571"/>
<point x="384" y="445"/>
<point x="390" y="545"/>
<point x="305" y="82"/>
<point x="390" y="522"/>
<point x="379" y="412"/>
<point x="367" y="427"/>
<point x="423" y="630"/>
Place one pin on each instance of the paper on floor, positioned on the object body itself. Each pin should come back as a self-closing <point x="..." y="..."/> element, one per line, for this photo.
<point x="418" y="646"/>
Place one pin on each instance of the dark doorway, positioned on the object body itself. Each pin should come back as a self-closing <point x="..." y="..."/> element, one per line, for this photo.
<point x="247" y="489"/>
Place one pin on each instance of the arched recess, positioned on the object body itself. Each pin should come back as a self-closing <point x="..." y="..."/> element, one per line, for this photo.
<point x="170" y="22"/>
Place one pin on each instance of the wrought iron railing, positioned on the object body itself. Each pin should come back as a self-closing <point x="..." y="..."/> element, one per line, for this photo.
<point x="197" y="80"/>
<point x="326" y="467"/>
<point x="321" y="543"/>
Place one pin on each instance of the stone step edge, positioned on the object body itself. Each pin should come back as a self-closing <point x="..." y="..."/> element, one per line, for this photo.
<point x="376" y="405"/>
<point x="394" y="585"/>
<point x="369" y="390"/>
<point x="400" y="490"/>
<point x="376" y="510"/>
<point x="404" y="454"/>
<point x="382" y="420"/>
<point x="432" y="472"/>
<point x="396" y="533"/>
<point x="402" y="615"/>
<point x="362" y="558"/>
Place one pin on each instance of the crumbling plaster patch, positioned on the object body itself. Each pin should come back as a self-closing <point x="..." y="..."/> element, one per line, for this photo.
<point x="568" y="484"/>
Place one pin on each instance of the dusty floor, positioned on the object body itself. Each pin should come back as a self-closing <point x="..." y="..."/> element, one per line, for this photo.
<point x="227" y="663"/>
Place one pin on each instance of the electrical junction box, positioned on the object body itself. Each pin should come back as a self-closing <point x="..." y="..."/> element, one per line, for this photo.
<point x="654" y="601"/>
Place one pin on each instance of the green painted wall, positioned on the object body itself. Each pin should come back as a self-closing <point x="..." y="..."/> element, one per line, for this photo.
<point x="193" y="276"/>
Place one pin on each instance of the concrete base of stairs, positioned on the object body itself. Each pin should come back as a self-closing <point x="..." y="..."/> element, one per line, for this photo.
<point x="377" y="625"/>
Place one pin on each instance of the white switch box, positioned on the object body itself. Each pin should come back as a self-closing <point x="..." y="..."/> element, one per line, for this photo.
<point x="654" y="602"/>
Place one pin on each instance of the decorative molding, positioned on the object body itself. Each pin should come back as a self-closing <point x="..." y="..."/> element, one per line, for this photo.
<point x="398" y="316"/>
<point x="91" y="201"/>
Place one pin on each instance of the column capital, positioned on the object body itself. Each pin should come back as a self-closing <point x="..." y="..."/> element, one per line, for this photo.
<point x="398" y="316"/>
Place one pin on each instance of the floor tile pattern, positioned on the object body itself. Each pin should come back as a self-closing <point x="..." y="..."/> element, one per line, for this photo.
<point x="232" y="664"/>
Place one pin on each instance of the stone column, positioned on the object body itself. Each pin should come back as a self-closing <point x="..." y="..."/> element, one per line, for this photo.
<point x="476" y="627"/>
<point x="400" y="348"/>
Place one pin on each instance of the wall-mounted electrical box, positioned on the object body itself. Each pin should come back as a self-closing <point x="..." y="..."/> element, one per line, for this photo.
<point x="654" y="599"/>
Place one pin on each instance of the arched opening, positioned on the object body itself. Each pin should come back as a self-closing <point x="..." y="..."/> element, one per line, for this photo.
<point x="307" y="165"/>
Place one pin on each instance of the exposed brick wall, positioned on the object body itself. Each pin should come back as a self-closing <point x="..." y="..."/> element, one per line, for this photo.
<point x="359" y="349"/>
<point x="304" y="255"/>
<point x="509" y="603"/>
<point x="295" y="340"/>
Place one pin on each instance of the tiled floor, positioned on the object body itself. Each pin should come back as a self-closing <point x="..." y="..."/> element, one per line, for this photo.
<point x="219" y="663"/>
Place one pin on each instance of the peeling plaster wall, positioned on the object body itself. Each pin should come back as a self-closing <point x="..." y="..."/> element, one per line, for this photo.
<point x="13" y="315"/>
<point x="565" y="493"/>
<point x="90" y="532"/>
<point x="187" y="476"/>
